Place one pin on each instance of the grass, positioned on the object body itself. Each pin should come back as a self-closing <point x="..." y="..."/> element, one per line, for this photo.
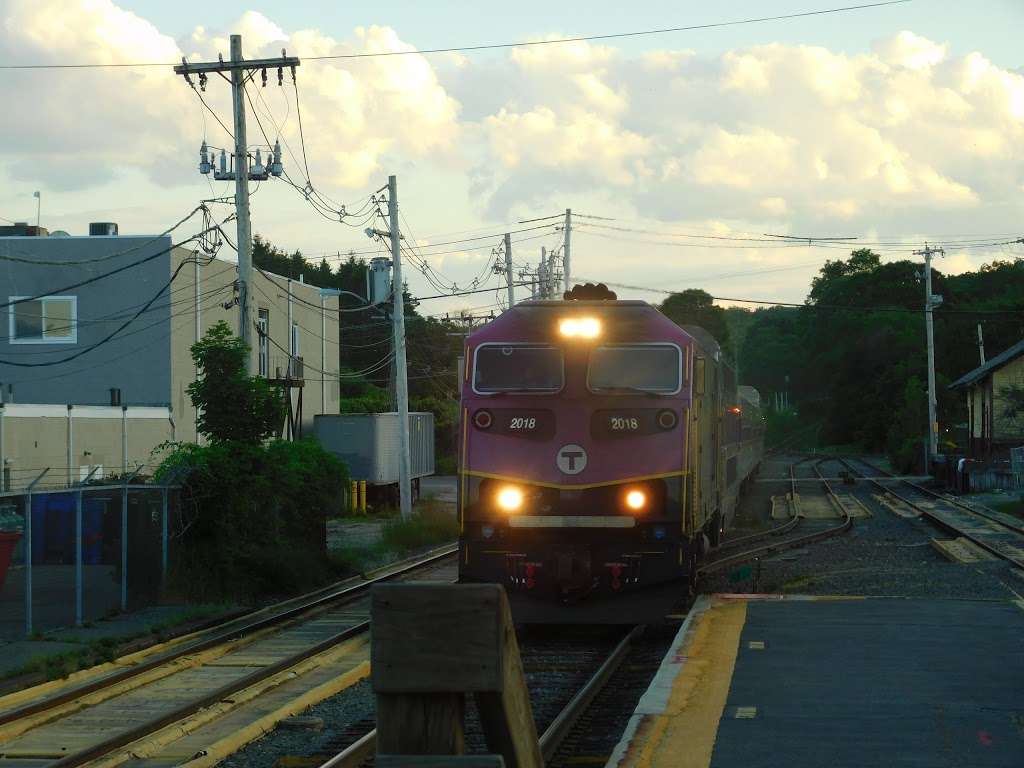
<point x="431" y="525"/>
<point x="54" y="666"/>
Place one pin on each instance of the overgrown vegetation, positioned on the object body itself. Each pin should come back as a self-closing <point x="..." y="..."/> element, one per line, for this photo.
<point x="253" y="512"/>
<point x="433" y="525"/>
<point x="853" y="359"/>
<point x="232" y="406"/>
<point x="89" y="653"/>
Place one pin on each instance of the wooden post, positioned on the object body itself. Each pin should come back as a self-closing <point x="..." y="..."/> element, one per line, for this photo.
<point x="433" y="644"/>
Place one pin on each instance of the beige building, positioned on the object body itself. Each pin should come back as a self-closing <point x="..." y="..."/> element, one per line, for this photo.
<point x="94" y="378"/>
<point x="296" y="342"/>
<point x="992" y="430"/>
<point x="55" y="446"/>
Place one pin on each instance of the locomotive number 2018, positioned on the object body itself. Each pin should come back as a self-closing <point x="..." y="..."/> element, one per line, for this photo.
<point x="523" y="423"/>
<point x="624" y="423"/>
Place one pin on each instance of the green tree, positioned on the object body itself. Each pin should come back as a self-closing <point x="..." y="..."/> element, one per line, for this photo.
<point x="231" y="404"/>
<point x="696" y="307"/>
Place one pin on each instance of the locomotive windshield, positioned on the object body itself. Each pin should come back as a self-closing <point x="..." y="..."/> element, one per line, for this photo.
<point x="517" y="368"/>
<point x="655" y="368"/>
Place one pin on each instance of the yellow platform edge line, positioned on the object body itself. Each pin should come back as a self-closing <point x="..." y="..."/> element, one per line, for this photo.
<point x="676" y="721"/>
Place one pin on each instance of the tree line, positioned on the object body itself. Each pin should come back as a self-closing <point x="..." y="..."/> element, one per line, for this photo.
<point x="851" y="359"/>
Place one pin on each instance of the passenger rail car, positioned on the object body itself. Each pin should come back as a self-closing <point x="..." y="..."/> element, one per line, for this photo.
<point x="602" y="449"/>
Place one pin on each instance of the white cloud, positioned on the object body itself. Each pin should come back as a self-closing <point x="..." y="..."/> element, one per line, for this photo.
<point x="353" y="112"/>
<point x="905" y="137"/>
<point x="823" y="138"/>
<point x="586" y="143"/>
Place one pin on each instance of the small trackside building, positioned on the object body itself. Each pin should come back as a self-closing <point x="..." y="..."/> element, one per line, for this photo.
<point x="992" y="428"/>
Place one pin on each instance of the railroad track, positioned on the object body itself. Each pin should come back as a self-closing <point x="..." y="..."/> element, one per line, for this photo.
<point x="1002" y="535"/>
<point x="553" y="670"/>
<point x="201" y="694"/>
<point x="838" y="503"/>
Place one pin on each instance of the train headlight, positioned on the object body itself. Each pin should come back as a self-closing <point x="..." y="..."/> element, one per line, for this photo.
<point x="510" y="498"/>
<point x="580" y="327"/>
<point x="636" y="500"/>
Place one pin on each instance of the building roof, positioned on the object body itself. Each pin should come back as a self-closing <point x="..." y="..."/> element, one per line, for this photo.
<point x="982" y="371"/>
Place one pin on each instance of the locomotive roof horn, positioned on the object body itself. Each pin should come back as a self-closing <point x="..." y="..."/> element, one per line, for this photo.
<point x="590" y="292"/>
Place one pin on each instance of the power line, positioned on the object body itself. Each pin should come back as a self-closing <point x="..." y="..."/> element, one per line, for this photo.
<point x="109" y="256"/>
<point x="109" y="336"/>
<point x="129" y="353"/>
<point x="815" y="241"/>
<point x="496" y="46"/>
<point x="843" y="307"/>
<point x="105" y="275"/>
<point x="123" y="312"/>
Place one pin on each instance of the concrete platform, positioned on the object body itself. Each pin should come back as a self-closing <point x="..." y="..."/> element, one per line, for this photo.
<point x="835" y="681"/>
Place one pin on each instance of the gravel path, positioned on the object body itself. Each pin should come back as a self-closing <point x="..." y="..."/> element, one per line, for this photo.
<point x="882" y="555"/>
<point x="338" y="712"/>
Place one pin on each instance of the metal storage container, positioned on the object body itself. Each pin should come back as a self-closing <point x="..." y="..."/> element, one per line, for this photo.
<point x="368" y="443"/>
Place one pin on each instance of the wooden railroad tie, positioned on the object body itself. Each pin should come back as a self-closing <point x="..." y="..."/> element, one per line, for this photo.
<point x="432" y="644"/>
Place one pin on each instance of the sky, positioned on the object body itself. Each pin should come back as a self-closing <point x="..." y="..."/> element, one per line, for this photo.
<point x="894" y="125"/>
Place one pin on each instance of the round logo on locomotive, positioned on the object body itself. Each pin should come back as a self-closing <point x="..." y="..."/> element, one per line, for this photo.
<point x="571" y="459"/>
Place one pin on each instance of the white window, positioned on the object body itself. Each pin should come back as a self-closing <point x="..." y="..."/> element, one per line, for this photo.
<point x="46" y="320"/>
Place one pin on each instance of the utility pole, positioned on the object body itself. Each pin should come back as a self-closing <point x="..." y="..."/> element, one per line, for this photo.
<point x="930" y="301"/>
<point x="240" y="70"/>
<point x="552" y="275"/>
<point x="981" y="345"/>
<point x="508" y="271"/>
<point x="542" y="274"/>
<point x="244" y="228"/>
<point x="566" y="253"/>
<point x="401" y="367"/>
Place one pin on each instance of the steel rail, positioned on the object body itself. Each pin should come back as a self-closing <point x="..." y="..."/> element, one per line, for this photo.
<point x="796" y="541"/>
<point x="927" y="513"/>
<point x="1012" y="525"/>
<point x="777" y="530"/>
<point x="357" y="753"/>
<point x="149" y="727"/>
<point x="318" y="599"/>
<point x="560" y="727"/>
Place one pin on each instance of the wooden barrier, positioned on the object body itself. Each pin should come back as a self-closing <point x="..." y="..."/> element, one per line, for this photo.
<point x="432" y="645"/>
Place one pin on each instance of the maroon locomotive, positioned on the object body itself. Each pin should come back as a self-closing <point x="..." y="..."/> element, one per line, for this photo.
<point x="602" y="449"/>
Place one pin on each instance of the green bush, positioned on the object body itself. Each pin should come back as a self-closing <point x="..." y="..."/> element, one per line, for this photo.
<point x="432" y="525"/>
<point x="253" y="517"/>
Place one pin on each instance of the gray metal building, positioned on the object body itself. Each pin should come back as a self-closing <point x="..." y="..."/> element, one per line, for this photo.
<point x="109" y="320"/>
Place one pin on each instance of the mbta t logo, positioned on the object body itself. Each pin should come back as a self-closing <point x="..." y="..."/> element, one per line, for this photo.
<point x="571" y="459"/>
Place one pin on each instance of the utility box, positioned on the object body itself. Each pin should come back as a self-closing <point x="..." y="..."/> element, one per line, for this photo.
<point x="368" y="443"/>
